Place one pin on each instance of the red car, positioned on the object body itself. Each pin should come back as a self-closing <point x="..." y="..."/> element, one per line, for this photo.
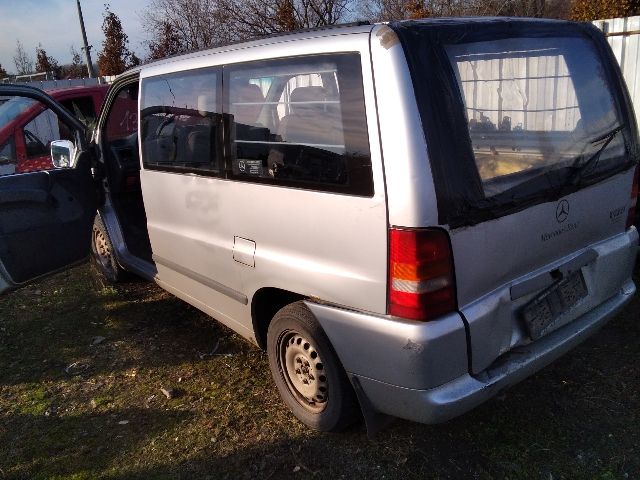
<point x="27" y="127"/>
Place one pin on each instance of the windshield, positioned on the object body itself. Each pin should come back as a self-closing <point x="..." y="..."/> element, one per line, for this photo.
<point x="12" y="108"/>
<point x="534" y="105"/>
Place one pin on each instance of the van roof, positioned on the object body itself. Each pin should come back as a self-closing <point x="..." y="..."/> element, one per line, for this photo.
<point x="325" y="31"/>
<point x="331" y="30"/>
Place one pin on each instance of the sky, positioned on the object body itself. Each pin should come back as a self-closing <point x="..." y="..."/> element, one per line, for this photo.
<point x="54" y="24"/>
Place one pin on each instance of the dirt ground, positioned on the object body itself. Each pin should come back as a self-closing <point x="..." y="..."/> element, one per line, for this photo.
<point x="82" y="368"/>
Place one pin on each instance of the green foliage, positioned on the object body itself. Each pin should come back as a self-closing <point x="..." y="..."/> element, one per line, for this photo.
<point x="33" y="400"/>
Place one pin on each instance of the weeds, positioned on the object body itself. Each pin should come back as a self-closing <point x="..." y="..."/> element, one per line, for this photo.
<point x="108" y="418"/>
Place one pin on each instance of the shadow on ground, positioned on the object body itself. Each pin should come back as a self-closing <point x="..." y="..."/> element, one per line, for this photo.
<point x="578" y="418"/>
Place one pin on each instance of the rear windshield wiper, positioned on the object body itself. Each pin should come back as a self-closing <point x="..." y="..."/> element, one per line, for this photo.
<point x="580" y="166"/>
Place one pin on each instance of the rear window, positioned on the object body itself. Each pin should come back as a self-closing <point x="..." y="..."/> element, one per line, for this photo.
<point x="11" y="108"/>
<point x="515" y="112"/>
<point x="527" y="110"/>
<point x="83" y="109"/>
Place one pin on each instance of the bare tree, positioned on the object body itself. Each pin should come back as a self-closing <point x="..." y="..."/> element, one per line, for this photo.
<point x="402" y="9"/>
<point x="22" y="61"/>
<point x="77" y="67"/>
<point x="167" y="44"/>
<point x="255" y="18"/>
<point x="177" y="26"/>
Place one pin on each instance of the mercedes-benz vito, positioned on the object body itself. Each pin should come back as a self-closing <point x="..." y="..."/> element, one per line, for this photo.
<point x="408" y="217"/>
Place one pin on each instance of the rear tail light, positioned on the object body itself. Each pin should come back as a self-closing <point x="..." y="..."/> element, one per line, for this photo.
<point x="421" y="279"/>
<point x="633" y="201"/>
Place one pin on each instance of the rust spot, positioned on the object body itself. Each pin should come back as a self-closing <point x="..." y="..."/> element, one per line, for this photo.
<point x="414" y="347"/>
<point x="387" y="36"/>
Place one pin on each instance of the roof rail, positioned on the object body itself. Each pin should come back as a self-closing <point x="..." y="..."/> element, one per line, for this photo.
<point x="358" y="23"/>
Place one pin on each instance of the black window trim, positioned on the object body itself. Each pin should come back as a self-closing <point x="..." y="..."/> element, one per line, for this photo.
<point x="220" y="150"/>
<point x="224" y="149"/>
<point x="462" y="203"/>
<point x="295" y="184"/>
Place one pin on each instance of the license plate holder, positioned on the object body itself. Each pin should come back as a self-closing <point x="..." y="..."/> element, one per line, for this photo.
<point x="541" y="313"/>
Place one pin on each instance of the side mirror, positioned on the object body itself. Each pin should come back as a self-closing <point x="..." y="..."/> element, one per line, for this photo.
<point x="63" y="153"/>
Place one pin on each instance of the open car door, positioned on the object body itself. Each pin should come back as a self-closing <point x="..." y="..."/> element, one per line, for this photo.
<point x="45" y="216"/>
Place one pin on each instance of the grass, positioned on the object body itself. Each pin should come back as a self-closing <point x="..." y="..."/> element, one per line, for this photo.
<point x="74" y="408"/>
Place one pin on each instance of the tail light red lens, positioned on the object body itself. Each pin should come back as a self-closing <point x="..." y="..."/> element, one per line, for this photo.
<point x="633" y="201"/>
<point x="421" y="278"/>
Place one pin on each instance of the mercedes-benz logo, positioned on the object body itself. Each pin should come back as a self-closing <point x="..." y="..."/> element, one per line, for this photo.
<point x="562" y="211"/>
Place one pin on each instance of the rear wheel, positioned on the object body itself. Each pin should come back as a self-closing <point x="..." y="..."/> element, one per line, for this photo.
<point x="102" y="254"/>
<point x="307" y="371"/>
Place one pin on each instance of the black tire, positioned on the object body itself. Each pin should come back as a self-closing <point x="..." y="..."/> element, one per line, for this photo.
<point x="102" y="254"/>
<point x="328" y="402"/>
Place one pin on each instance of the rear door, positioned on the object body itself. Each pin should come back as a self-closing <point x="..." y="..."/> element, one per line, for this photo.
<point x="536" y="175"/>
<point x="45" y="216"/>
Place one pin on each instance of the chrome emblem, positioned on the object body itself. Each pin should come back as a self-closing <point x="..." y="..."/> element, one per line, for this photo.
<point x="562" y="211"/>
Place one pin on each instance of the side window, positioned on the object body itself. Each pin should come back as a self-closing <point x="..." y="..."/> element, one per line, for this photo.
<point x="8" y="157"/>
<point x="300" y="122"/>
<point x="27" y="129"/>
<point x="181" y="121"/>
<point x="83" y="109"/>
<point x="41" y="131"/>
<point x="122" y="121"/>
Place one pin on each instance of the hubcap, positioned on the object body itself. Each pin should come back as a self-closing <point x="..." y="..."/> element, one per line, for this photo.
<point x="102" y="246"/>
<point x="303" y="370"/>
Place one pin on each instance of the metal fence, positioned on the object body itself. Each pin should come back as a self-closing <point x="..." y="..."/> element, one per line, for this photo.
<point x="623" y="34"/>
<point x="51" y="84"/>
<point x="532" y="89"/>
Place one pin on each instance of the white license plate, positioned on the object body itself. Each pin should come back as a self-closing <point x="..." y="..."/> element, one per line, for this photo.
<point x="542" y="312"/>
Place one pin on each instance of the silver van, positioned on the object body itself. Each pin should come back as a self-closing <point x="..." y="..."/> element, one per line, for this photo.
<point x="409" y="217"/>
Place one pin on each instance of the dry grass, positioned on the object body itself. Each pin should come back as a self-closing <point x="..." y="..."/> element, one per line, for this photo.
<point x="105" y="417"/>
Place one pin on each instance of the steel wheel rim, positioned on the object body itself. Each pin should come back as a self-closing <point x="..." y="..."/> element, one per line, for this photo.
<point x="103" y="250"/>
<point x="303" y="371"/>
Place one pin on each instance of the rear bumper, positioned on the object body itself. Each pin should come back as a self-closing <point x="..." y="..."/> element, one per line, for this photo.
<point x="466" y="392"/>
<point x="405" y="368"/>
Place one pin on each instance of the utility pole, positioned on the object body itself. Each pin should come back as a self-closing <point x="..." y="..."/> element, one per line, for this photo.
<point x="86" y="47"/>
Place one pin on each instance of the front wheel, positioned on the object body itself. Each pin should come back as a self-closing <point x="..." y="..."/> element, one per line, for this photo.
<point x="102" y="254"/>
<point x="307" y="371"/>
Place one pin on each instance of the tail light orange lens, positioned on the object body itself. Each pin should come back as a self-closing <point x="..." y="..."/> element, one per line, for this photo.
<point x="633" y="200"/>
<point x="421" y="279"/>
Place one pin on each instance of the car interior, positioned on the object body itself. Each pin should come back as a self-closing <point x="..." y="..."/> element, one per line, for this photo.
<point x="120" y="150"/>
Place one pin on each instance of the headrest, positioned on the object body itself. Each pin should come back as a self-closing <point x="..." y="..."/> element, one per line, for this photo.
<point x="308" y="94"/>
<point x="206" y="104"/>
<point x="247" y="93"/>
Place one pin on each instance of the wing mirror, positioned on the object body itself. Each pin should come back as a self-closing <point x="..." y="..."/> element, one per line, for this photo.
<point x="63" y="153"/>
